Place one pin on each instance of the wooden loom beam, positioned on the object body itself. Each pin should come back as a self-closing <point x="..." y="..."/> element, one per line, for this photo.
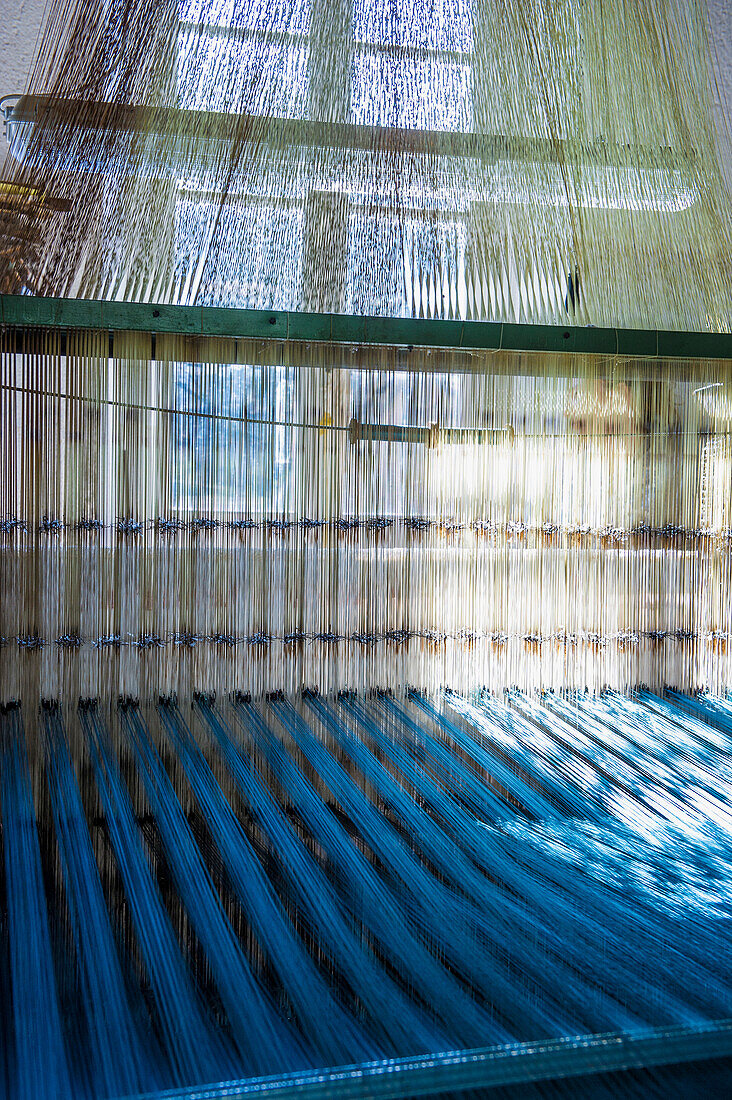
<point x="167" y="122"/>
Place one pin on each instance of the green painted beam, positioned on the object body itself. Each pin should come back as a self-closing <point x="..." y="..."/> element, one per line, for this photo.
<point x="483" y="1068"/>
<point x="77" y="313"/>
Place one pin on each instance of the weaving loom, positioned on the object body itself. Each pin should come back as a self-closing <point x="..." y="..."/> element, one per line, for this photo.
<point x="366" y="553"/>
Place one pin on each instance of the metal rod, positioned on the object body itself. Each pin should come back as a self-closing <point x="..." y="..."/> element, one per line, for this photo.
<point x="486" y="1067"/>
<point x="431" y="436"/>
<point x="404" y="332"/>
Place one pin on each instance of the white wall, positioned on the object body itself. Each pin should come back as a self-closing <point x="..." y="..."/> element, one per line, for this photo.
<point x="720" y="18"/>
<point x="20" y="21"/>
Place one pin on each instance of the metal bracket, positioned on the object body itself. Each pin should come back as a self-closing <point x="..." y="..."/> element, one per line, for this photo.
<point x="431" y="436"/>
<point x="7" y="106"/>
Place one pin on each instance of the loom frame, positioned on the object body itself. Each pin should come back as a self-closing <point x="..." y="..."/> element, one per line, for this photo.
<point x="462" y="1070"/>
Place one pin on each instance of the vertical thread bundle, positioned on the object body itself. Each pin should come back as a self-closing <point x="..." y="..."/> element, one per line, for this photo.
<point x="226" y="516"/>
